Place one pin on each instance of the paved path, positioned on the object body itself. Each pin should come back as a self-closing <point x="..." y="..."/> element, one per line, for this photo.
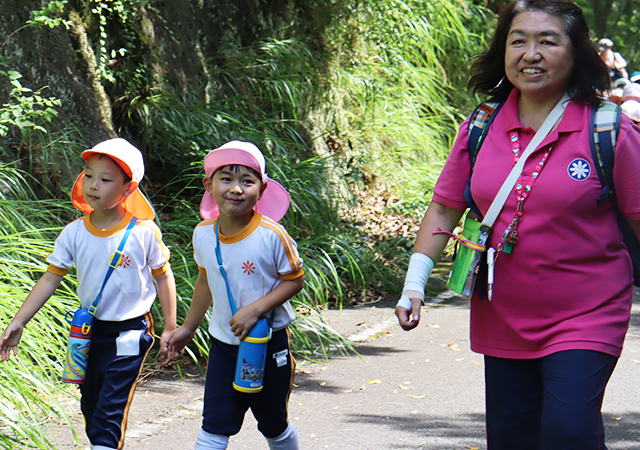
<point x="416" y="390"/>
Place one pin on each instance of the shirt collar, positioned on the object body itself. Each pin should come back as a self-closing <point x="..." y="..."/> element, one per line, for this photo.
<point x="256" y="219"/>
<point x="574" y="118"/>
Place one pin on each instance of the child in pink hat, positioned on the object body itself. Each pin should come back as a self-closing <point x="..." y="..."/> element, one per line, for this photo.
<point x="241" y="208"/>
<point x="123" y="327"/>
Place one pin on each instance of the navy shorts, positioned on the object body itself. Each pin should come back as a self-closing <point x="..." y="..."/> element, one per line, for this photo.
<point x="116" y="355"/>
<point x="549" y="403"/>
<point x="225" y="407"/>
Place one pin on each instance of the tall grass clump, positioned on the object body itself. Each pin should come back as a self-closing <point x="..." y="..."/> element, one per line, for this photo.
<point x="382" y="97"/>
<point x="325" y="275"/>
<point x="396" y="87"/>
<point x="276" y="82"/>
<point x="31" y="391"/>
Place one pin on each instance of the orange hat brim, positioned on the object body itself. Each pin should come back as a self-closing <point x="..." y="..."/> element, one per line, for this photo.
<point x="136" y="203"/>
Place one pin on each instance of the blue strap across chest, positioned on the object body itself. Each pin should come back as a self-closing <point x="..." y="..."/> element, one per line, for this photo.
<point x="115" y="261"/>
<point x="232" y="303"/>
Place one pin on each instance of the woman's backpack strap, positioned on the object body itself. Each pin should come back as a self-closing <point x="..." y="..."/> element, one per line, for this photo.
<point x="605" y="124"/>
<point x="479" y="123"/>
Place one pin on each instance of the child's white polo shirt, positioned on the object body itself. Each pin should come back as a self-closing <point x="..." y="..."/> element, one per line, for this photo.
<point x="256" y="260"/>
<point x="130" y="292"/>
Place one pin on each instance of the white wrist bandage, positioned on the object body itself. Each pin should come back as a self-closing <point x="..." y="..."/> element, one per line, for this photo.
<point x="405" y="302"/>
<point x="420" y="267"/>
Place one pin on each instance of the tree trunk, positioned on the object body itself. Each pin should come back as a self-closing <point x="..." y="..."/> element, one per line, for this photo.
<point x="601" y="12"/>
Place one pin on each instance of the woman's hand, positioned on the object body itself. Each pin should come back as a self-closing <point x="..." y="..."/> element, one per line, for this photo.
<point x="408" y="320"/>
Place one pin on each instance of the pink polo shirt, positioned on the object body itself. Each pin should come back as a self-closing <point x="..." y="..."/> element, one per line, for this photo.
<point x="567" y="284"/>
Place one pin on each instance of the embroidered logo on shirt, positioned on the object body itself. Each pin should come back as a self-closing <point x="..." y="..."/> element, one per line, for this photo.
<point x="579" y="169"/>
<point x="125" y="261"/>
<point x="248" y="267"/>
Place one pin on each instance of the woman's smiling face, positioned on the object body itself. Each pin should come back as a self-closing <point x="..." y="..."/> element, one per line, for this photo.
<point x="539" y="55"/>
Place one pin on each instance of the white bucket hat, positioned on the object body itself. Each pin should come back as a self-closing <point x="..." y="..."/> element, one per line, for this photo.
<point x="130" y="160"/>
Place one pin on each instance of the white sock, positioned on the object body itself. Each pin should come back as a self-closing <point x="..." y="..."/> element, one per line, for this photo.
<point x="286" y="441"/>
<point x="209" y="441"/>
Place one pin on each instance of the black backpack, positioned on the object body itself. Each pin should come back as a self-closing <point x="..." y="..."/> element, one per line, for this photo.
<point x="605" y="125"/>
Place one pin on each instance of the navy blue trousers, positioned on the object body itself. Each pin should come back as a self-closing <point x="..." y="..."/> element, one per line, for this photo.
<point x="549" y="403"/>
<point x="225" y="407"/>
<point x="111" y="377"/>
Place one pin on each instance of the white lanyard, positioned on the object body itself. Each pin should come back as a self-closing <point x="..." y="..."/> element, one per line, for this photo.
<point x="501" y="198"/>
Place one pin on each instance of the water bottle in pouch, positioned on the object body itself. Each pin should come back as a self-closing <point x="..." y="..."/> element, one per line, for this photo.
<point x="252" y="354"/>
<point x="75" y="367"/>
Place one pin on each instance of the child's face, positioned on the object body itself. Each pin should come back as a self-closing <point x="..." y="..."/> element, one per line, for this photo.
<point x="104" y="183"/>
<point x="235" y="192"/>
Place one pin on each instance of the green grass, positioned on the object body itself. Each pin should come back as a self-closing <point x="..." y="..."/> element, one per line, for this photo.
<point x="31" y="381"/>
<point x="397" y="85"/>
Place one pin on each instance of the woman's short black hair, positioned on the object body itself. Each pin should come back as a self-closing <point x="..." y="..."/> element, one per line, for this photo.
<point x="589" y="78"/>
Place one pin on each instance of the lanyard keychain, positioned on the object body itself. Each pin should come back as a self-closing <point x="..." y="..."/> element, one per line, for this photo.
<point x="510" y="235"/>
<point x="523" y="190"/>
<point x="498" y="203"/>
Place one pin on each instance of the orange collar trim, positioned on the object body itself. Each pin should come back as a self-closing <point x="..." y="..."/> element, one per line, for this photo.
<point x="244" y="233"/>
<point x="99" y="232"/>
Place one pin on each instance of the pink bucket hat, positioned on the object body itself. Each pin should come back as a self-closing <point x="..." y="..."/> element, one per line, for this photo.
<point x="130" y="159"/>
<point x="275" y="199"/>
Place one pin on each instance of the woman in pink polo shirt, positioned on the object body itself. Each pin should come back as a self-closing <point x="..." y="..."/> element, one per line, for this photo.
<point x="560" y="308"/>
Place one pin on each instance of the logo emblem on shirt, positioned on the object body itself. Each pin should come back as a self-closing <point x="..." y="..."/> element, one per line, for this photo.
<point x="119" y="259"/>
<point x="579" y="169"/>
<point x="125" y="261"/>
<point x="248" y="267"/>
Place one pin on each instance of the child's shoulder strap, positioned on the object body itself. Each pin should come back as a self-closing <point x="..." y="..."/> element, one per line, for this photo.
<point x="604" y="126"/>
<point x="479" y="123"/>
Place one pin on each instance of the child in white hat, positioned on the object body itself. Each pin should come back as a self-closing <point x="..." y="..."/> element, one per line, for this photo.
<point x="241" y="208"/>
<point x="123" y="327"/>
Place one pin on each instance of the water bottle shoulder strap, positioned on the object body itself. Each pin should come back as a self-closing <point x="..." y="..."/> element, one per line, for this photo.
<point x="114" y="261"/>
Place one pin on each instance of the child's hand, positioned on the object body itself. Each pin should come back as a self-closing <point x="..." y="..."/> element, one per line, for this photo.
<point x="178" y="340"/>
<point x="9" y="341"/>
<point x="166" y="353"/>
<point x="243" y="321"/>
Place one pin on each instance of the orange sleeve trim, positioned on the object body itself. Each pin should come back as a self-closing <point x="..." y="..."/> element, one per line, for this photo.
<point x="294" y="275"/>
<point x="57" y="270"/>
<point x="158" y="234"/>
<point x="202" y="270"/>
<point x="287" y="244"/>
<point x="162" y="269"/>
